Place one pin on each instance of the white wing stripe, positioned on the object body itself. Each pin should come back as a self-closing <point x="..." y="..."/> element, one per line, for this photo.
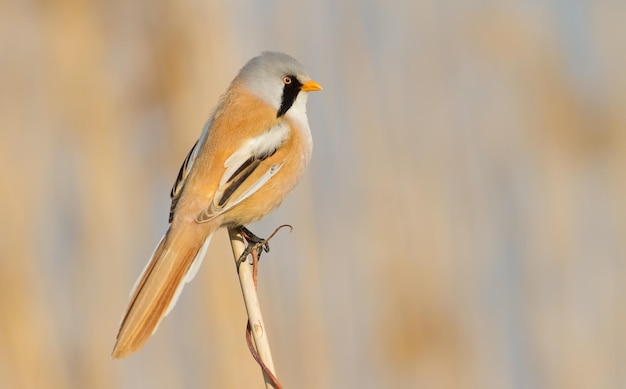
<point x="206" y="215"/>
<point x="257" y="185"/>
<point x="261" y="145"/>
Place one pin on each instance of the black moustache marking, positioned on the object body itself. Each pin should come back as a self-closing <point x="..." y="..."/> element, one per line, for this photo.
<point x="290" y="92"/>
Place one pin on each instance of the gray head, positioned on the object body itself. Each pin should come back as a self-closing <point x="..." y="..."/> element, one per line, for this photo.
<point x="278" y="79"/>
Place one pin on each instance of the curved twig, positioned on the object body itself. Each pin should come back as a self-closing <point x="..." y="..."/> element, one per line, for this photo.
<point x="255" y="318"/>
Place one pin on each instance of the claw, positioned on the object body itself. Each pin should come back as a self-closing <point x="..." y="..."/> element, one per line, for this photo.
<point x="256" y="243"/>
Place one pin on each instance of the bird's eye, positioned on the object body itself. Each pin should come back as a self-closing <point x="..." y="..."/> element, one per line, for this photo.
<point x="286" y="80"/>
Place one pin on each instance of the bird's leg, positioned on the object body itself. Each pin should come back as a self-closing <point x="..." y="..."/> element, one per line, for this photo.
<point x="251" y="238"/>
<point x="256" y="243"/>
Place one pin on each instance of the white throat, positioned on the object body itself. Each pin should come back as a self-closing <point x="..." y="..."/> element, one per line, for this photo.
<point x="297" y="113"/>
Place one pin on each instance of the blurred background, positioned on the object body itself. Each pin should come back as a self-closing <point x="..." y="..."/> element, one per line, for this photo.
<point x="462" y="223"/>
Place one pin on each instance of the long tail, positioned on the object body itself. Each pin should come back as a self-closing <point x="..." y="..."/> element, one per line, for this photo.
<point x="174" y="263"/>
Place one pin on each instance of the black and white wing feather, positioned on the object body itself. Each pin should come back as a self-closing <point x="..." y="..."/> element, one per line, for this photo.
<point x="183" y="173"/>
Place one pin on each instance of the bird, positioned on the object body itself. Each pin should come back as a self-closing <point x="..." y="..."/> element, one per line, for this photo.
<point x="250" y="155"/>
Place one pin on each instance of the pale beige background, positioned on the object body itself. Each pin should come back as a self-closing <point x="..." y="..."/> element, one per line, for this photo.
<point x="462" y="224"/>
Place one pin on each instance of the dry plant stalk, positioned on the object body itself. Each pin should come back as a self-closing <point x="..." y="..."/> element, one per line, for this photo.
<point x="253" y="308"/>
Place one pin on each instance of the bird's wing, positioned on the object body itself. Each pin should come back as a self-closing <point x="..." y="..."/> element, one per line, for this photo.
<point x="183" y="173"/>
<point x="238" y="182"/>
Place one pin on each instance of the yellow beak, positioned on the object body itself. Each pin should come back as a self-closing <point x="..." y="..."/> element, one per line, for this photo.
<point x="310" y="86"/>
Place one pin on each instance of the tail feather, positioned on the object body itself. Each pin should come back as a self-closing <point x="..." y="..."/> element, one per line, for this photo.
<point x="174" y="262"/>
<point x="191" y="273"/>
